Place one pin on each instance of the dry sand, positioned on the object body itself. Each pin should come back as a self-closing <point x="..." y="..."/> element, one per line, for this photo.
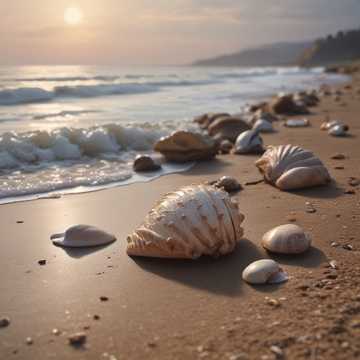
<point x="166" y="309"/>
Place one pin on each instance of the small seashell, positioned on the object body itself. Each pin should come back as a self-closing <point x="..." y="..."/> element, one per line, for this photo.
<point x="263" y="126"/>
<point x="297" y="123"/>
<point x="82" y="236"/>
<point x="264" y="271"/>
<point x="338" y="130"/>
<point x="326" y="125"/>
<point x="286" y="239"/>
<point x="290" y="167"/>
<point x="211" y="226"/>
<point x="249" y="142"/>
<point x="228" y="183"/>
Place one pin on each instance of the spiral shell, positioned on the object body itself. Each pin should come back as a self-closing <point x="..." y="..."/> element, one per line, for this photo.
<point x="265" y="271"/>
<point x="249" y="142"/>
<point x="82" y="236"/>
<point x="286" y="239"/>
<point x="290" y="167"/>
<point x="193" y="221"/>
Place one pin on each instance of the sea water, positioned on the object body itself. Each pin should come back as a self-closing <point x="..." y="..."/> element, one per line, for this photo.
<point x="76" y="128"/>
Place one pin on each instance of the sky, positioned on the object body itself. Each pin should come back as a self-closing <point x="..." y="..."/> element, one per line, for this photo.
<point x="141" y="32"/>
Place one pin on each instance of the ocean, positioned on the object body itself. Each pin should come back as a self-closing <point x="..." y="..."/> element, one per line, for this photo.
<point x="70" y="129"/>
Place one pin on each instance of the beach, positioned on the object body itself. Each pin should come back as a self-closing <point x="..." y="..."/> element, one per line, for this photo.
<point x="177" y="309"/>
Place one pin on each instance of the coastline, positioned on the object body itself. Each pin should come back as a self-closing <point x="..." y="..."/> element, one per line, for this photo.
<point x="162" y="309"/>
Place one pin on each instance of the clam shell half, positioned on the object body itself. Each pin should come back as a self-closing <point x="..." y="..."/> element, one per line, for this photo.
<point x="193" y="221"/>
<point x="82" y="236"/>
<point x="286" y="239"/>
<point x="265" y="271"/>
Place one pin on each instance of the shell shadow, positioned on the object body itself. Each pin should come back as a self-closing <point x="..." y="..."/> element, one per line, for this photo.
<point x="78" y="253"/>
<point x="219" y="276"/>
<point x="312" y="258"/>
<point x="330" y="191"/>
<point x="203" y="168"/>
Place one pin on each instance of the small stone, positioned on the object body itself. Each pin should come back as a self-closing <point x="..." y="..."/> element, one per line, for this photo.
<point x="42" y="262"/>
<point x="338" y="156"/>
<point x="104" y="298"/>
<point x="347" y="247"/>
<point x="96" y="317"/>
<point x="334" y="244"/>
<point x="4" y="322"/>
<point x="145" y="163"/>
<point x="77" y="339"/>
<point x="310" y="208"/>
<point x="277" y="351"/>
<point x="273" y="302"/>
<point x="19" y="221"/>
<point x="333" y="264"/>
<point x="354" y="182"/>
<point x="56" y="332"/>
<point x="339" y="167"/>
<point x="349" y="192"/>
<point x="29" y="341"/>
<point x="238" y="356"/>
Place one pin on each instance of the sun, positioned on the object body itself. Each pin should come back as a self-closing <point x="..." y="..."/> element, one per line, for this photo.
<point x="73" y="16"/>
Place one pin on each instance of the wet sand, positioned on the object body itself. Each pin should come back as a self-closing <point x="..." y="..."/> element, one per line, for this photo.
<point x="172" y="309"/>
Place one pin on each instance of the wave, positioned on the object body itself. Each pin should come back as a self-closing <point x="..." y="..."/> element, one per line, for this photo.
<point x="64" y="113"/>
<point x="25" y="95"/>
<point x="17" y="150"/>
<point x="66" y="78"/>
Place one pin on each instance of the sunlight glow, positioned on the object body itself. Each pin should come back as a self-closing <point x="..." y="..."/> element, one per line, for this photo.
<point x="73" y="16"/>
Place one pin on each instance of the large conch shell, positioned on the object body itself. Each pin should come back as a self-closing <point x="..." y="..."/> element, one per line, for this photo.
<point x="290" y="167"/>
<point x="193" y="221"/>
<point x="82" y="236"/>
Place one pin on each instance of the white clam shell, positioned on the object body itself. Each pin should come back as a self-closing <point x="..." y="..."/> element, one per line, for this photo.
<point x="248" y="142"/>
<point x="79" y="236"/>
<point x="265" y="271"/>
<point x="290" y="167"/>
<point x="297" y="123"/>
<point x="193" y="221"/>
<point x="263" y="126"/>
<point x="286" y="239"/>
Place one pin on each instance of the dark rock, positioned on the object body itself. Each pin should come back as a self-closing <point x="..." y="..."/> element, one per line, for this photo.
<point x="286" y="105"/>
<point x="338" y="156"/>
<point x="144" y="163"/>
<point x="206" y="119"/>
<point x="183" y="146"/>
<point x="77" y="339"/>
<point x="104" y="298"/>
<point x="227" y="128"/>
<point x="42" y="262"/>
<point x="4" y="322"/>
<point x="228" y="183"/>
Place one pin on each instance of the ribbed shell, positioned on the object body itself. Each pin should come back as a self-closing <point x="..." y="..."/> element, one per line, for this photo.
<point x="290" y="167"/>
<point x="248" y="142"/>
<point x="286" y="239"/>
<point x="82" y="236"/>
<point x="193" y="221"/>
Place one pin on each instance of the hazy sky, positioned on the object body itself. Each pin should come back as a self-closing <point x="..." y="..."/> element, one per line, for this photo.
<point x="159" y="31"/>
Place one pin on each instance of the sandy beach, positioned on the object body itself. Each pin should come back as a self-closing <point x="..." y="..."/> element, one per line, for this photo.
<point x="172" y="309"/>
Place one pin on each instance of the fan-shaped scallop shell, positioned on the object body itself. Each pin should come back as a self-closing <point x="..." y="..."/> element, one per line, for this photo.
<point x="286" y="239"/>
<point x="265" y="271"/>
<point x="193" y="221"/>
<point x="82" y="236"/>
<point x="290" y="167"/>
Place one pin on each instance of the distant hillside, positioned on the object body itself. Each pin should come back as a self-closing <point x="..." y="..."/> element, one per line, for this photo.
<point x="278" y="54"/>
<point x="340" y="48"/>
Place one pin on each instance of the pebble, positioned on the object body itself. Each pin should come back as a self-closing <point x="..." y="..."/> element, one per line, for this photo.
<point x="77" y="339"/>
<point x="338" y="156"/>
<point x="56" y="332"/>
<point x="310" y="208"/>
<point x="277" y="351"/>
<point x="4" y="322"/>
<point x="20" y="222"/>
<point x="29" y="341"/>
<point x="354" y="181"/>
<point x="334" y="244"/>
<point x="238" y="356"/>
<point x="333" y="264"/>
<point x="96" y="317"/>
<point x="104" y="298"/>
<point x="42" y="262"/>
<point x="272" y="302"/>
<point x="349" y="192"/>
<point x="347" y="247"/>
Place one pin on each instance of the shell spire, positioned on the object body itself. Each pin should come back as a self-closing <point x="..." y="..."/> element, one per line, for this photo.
<point x="206" y="223"/>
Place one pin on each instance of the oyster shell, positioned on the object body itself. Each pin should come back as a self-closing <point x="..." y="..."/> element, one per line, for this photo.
<point x="265" y="271"/>
<point x="263" y="126"/>
<point x="286" y="239"/>
<point x="249" y="142"/>
<point x="290" y="167"/>
<point x="193" y="221"/>
<point x="82" y="236"/>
